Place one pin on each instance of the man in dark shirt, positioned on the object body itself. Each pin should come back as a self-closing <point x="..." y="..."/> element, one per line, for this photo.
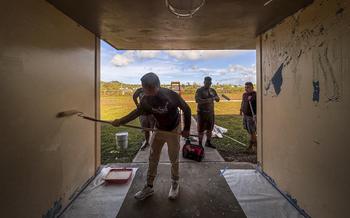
<point x="205" y="97"/>
<point x="248" y="110"/>
<point x="164" y="105"/>
<point x="146" y="121"/>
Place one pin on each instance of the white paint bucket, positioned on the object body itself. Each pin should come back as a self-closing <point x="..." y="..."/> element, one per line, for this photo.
<point x="121" y="139"/>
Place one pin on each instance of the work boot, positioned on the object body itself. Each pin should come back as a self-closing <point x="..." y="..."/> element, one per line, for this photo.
<point x="209" y="144"/>
<point x="144" y="193"/>
<point x="144" y="145"/>
<point x="174" y="190"/>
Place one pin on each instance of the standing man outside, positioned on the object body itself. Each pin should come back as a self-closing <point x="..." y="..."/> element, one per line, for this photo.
<point x="146" y="121"/>
<point x="205" y="97"/>
<point x="248" y="110"/>
<point x="164" y="104"/>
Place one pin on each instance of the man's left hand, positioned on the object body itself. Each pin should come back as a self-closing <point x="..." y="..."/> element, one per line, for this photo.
<point x="185" y="133"/>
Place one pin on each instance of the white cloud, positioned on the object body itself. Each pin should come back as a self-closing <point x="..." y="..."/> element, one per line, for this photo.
<point x="202" y="54"/>
<point x="121" y="60"/>
<point x="129" y="66"/>
<point x="143" y="54"/>
<point x="241" y="69"/>
<point x="130" y="56"/>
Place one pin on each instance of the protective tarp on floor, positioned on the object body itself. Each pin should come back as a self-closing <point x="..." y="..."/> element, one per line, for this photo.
<point x="99" y="199"/>
<point x="257" y="197"/>
<point x="204" y="193"/>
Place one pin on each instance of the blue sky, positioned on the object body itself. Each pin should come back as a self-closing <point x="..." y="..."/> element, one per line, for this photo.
<point x="224" y="66"/>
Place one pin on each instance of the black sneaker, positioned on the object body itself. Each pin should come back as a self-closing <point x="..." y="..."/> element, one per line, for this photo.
<point x="144" y="145"/>
<point x="209" y="144"/>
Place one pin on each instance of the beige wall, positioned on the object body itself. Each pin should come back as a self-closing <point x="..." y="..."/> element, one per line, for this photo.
<point x="47" y="65"/>
<point x="304" y="142"/>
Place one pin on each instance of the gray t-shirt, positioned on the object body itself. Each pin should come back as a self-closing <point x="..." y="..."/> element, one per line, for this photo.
<point x="204" y="94"/>
<point x="164" y="107"/>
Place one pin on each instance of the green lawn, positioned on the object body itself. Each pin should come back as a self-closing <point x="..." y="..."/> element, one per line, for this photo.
<point x="118" y="106"/>
<point x="231" y="150"/>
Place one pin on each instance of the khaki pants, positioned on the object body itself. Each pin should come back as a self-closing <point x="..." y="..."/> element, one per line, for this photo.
<point x="157" y="142"/>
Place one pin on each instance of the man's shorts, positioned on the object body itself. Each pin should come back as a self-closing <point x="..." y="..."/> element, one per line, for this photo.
<point x="205" y="121"/>
<point x="147" y="121"/>
<point x="249" y="124"/>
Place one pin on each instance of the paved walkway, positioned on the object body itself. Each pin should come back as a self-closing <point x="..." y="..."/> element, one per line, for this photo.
<point x="211" y="155"/>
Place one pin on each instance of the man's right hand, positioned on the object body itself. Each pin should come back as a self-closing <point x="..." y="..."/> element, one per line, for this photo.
<point x="116" y="122"/>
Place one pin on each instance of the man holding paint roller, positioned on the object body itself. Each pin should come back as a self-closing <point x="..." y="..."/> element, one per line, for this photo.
<point x="205" y="97"/>
<point x="248" y="110"/>
<point x="146" y="121"/>
<point x="164" y="105"/>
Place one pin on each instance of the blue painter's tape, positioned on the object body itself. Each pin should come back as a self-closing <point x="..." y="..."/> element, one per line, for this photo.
<point x="223" y="171"/>
<point x="287" y="196"/>
<point x="55" y="210"/>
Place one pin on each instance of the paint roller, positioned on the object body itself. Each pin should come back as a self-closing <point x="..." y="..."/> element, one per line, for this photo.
<point x="82" y="115"/>
<point x="226" y="97"/>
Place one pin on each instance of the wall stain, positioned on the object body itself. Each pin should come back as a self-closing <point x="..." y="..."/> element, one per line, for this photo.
<point x="277" y="80"/>
<point x="316" y="93"/>
<point x="339" y="11"/>
<point x="305" y="41"/>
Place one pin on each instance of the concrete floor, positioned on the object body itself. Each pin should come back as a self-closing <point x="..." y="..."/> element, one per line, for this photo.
<point x="203" y="193"/>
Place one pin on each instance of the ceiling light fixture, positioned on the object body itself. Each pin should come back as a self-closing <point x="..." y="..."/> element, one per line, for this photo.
<point x="268" y="2"/>
<point x="184" y="8"/>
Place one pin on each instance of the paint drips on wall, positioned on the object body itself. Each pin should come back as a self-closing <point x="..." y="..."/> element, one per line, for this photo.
<point x="302" y="42"/>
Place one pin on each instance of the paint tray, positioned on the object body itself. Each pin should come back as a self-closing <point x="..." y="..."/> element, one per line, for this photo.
<point x="118" y="175"/>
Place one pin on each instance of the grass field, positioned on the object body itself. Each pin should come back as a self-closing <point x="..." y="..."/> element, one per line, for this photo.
<point x="113" y="107"/>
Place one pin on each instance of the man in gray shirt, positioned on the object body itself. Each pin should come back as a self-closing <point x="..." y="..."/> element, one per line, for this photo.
<point x="205" y="97"/>
<point x="164" y="105"/>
